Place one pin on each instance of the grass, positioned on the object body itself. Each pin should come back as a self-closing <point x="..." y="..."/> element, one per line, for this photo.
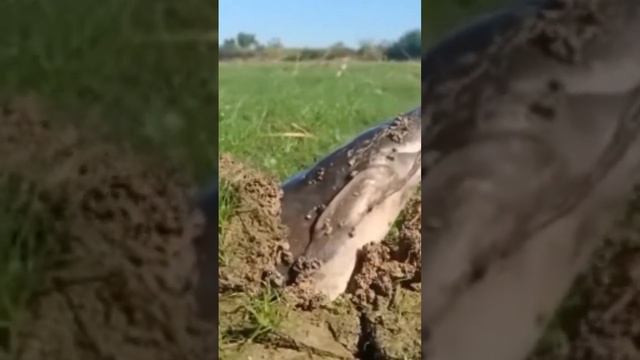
<point x="254" y="319"/>
<point x="23" y="225"/>
<point x="146" y="68"/>
<point x="226" y="206"/>
<point x="280" y="117"/>
<point x="265" y="314"/>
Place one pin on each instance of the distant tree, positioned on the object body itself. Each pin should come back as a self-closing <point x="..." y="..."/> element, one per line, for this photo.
<point x="229" y="44"/>
<point x="339" y="50"/>
<point x="408" y="46"/>
<point x="275" y="44"/>
<point x="274" y="49"/>
<point x="246" y="40"/>
<point x="308" y="54"/>
<point x="369" y="50"/>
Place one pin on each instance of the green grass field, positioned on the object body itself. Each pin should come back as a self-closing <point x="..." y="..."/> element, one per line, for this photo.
<point x="279" y="117"/>
<point x="145" y="67"/>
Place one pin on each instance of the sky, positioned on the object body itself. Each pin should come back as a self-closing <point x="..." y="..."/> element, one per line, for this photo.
<point x="318" y="23"/>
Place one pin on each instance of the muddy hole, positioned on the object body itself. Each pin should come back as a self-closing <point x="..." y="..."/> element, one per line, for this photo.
<point x="377" y="318"/>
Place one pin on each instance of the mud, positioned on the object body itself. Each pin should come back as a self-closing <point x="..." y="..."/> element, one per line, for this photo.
<point x="395" y="262"/>
<point x="387" y="287"/>
<point x="119" y="276"/>
<point x="254" y="231"/>
<point x="261" y="317"/>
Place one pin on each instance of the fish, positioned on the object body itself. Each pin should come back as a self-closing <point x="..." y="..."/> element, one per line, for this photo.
<point x="351" y="197"/>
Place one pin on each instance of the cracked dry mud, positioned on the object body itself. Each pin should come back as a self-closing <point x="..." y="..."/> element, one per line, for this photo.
<point x="119" y="276"/>
<point x="378" y="317"/>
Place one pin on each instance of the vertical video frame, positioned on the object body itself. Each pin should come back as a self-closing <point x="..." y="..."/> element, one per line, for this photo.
<point x="320" y="153"/>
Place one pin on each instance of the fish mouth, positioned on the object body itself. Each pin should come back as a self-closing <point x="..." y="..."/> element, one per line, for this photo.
<point x="351" y="197"/>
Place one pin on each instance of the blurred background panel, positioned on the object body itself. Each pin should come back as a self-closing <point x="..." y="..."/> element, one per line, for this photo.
<point x="298" y="79"/>
<point x="112" y="103"/>
<point x="148" y="66"/>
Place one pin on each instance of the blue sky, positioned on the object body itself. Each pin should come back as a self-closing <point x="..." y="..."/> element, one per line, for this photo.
<point x="317" y="23"/>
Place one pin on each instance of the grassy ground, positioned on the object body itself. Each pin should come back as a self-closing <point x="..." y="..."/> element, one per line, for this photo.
<point x="145" y="69"/>
<point x="280" y="117"/>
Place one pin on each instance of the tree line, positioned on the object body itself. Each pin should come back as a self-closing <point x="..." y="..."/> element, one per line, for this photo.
<point x="246" y="46"/>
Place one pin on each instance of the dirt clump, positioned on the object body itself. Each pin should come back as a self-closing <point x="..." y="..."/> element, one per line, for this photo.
<point x="119" y="278"/>
<point x="300" y="291"/>
<point x="256" y="240"/>
<point x="387" y="289"/>
<point x="253" y="236"/>
<point x="396" y="261"/>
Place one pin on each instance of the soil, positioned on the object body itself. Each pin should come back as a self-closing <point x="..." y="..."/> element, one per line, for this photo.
<point x="254" y="232"/>
<point x="119" y="278"/>
<point x="378" y="317"/>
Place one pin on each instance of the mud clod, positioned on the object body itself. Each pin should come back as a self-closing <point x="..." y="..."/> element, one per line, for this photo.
<point x="254" y="235"/>
<point x="301" y="292"/>
<point x="394" y="262"/>
<point x="398" y="128"/>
